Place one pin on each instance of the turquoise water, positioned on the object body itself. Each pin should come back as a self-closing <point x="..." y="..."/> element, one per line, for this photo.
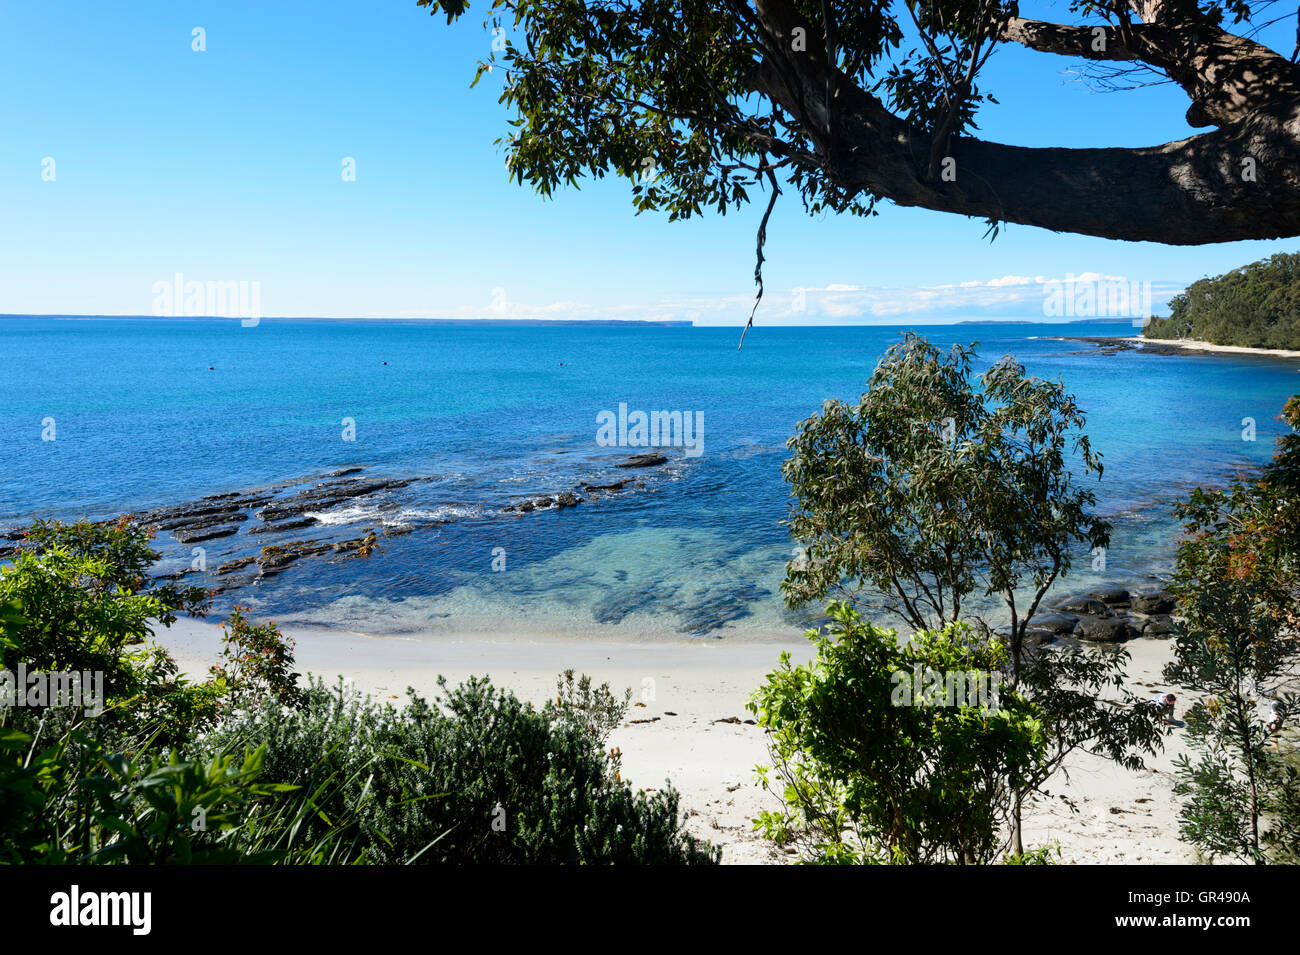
<point x="149" y="413"/>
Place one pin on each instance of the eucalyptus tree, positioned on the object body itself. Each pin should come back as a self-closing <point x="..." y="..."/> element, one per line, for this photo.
<point x="933" y="488"/>
<point x="938" y="487"/>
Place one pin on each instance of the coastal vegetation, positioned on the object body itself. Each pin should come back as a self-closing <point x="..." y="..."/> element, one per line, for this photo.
<point x="877" y="758"/>
<point x="1255" y="306"/>
<point x="246" y="766"/>
<point x="936" y="487"/>
<point x="1237" y="582"/>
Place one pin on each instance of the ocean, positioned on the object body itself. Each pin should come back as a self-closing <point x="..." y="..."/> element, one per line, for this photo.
<point x="106" y="416"/>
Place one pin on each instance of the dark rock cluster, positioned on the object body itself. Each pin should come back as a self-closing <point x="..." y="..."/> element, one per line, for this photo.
<point x="288" y="507"/>
<point x="1105" y="614"/>
<point x="543" y="502"/>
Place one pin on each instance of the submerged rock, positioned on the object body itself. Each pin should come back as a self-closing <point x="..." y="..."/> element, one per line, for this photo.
<point x="649" y="460"/>
<point x="233" y="583"/>
<point x="542" y="502"/>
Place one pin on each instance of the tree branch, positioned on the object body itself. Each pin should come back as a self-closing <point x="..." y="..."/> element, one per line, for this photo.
<point x="1241" y="181"/>
<point x="1226" y="76"/>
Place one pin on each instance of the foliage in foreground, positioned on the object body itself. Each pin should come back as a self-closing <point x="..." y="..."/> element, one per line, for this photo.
<point x="77" y="598"/>
<point x="481" y="777"/>
<point x="247" y="767"/>
<point x="75" y="801"/>
<point x="873" y="766"/>
<point x="1237" y="579"/>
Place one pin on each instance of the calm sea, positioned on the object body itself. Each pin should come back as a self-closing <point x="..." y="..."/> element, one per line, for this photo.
<point x="152" y="412"/>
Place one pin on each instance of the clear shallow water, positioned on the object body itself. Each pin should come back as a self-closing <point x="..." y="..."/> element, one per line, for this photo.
<point x="151" y="413"/>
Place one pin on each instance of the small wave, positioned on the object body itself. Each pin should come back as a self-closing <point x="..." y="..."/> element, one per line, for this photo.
<point x="446" y="512"/>
<point x="352" y="514"/>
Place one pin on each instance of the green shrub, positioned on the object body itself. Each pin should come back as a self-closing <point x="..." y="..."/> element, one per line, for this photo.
<point x="74" y="802"/>
<point x="872" y="768"/>
<point x="273" y="772"/>
<point x="256" y="664"/>
<point x="480" y="778"/>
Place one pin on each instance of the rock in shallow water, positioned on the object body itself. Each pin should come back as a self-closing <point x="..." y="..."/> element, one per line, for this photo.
<point x="1160" y="625"/>
<point x="1110" y="594"/>
<point x="1156" y="602"/>
<point x="643" y="461"/>
<point x="1059" y="624"/>
<point x="1082" y="605"/>
<point x="1034" y="636"/>
<point x="191" y="535"/>
<point x="1104" y="629"/>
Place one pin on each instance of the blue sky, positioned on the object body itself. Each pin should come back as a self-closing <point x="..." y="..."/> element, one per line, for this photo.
<point x="226" y="165"/>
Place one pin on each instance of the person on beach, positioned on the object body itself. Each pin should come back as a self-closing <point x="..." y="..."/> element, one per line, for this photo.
<point x="1163" y="704"/>
<point x="1274" y="727"/>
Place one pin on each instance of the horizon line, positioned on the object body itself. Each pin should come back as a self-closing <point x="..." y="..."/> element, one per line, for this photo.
<point x="536" y="322"/>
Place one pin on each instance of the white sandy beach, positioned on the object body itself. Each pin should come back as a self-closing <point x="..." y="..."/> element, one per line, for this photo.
<point x="1193" y="345"/>
<point x="691" y="728"/>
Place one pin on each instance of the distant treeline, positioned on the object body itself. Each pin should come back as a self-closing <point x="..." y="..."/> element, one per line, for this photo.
<point x="1256" y="306"/>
